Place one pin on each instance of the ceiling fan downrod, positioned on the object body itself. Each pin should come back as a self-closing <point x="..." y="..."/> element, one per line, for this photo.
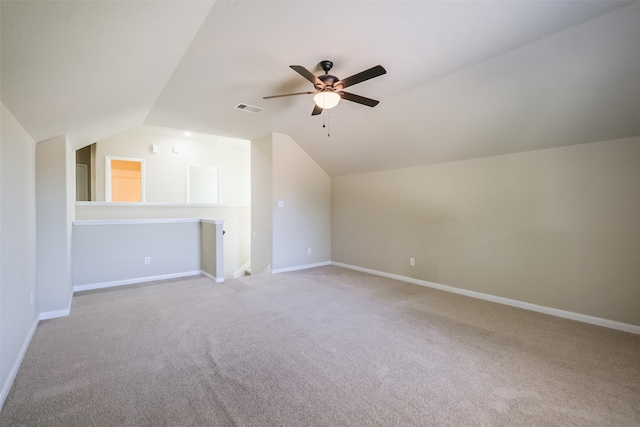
<point x="327" y="79"/>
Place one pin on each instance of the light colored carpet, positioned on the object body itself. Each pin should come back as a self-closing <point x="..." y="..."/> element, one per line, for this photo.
<point x="321" y="347"/>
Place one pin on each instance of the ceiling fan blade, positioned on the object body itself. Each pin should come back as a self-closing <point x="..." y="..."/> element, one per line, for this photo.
<point x="372" y="72"/>
<point x="359" y="99"/>
<point x="316" y="110"/>
<point x="287" y="94"/>
<point x="308" y="75"/>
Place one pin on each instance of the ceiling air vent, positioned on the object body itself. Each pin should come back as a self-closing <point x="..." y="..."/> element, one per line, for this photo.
<point x="249" y="108"/>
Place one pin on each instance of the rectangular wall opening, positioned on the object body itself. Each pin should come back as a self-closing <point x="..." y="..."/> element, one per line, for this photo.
<point x="125" y="180"/>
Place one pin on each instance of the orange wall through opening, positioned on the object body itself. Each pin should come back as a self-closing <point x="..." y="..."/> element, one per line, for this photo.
<point x="126" y="181"/>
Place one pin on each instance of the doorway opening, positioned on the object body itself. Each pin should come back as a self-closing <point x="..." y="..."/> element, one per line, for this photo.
<point x="124" y="180"/>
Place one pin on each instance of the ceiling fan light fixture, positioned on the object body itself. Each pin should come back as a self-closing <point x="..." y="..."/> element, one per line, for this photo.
<point x="326" y="99"/>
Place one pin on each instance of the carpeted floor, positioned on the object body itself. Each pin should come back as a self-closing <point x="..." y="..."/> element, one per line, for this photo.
<point x="321" y="347"/>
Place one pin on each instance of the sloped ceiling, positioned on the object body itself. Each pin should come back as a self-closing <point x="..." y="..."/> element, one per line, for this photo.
<point x="464" y="79"/>
<point x="90" y="69"/>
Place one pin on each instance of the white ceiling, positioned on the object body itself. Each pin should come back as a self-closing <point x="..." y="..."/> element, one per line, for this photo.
<point x="464" y="79"/>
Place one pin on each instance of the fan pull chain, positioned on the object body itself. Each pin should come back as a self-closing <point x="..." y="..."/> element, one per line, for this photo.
<point x="328" y="126"/>
<point x="325" y="122"/>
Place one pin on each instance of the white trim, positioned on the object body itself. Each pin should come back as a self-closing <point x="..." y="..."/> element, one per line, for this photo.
<point x="6" y="387"/>
<point x="211" y="277"/>
<point x="612" y="324"/>
<point x="57" y="313"/>
<point x="54" y="314"/>
<point x="212" y="221"/>
<point x="300" y="267"/>
<point x="240" y="272"/>
<point x="91" y="286"/>
<point x="170" y="204"/>
<point x="133" y="221"/>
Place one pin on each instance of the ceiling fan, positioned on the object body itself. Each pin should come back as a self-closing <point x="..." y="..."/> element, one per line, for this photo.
<point x="329" y="89"/>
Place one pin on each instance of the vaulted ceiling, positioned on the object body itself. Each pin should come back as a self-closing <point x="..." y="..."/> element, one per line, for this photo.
<point x="465" y="79"/>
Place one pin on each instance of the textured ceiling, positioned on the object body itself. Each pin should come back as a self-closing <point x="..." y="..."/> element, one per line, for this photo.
<point x="464" y="79"/>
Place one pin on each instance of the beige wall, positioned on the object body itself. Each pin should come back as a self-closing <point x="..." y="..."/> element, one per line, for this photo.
<point x="55" y="198"/>
<point x="211" y="260"/>
<point x="18" y="312"/>
<point x="283" y="172"/>
<point x="305" y="220"/>
<point x="261" y="203"/>
<point x="166" y="183"/>
<point x="237" y="223"/>
<point x="558" y="228"/>
<point x="112" y="253"/>
<point x="166" y="171"/>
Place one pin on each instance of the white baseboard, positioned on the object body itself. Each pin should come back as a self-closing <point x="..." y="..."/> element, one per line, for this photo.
<point x="626" y="327"/>
<point x="215" y="279"/>
<point x="6" y="387"/>
<point x="53" y="314"/>
<point x="91" y="286"/>
<point x="240" y="272"/>
<point x="57" y="313"/>
<point x="300" y="267"/>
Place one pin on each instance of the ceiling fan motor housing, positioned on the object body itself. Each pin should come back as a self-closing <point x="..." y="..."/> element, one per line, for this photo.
<point x="328" y="80"/>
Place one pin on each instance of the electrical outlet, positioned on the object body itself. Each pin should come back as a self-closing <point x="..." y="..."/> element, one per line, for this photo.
<point x="147" y="260"/>
<point x="308" y="251"/>
<point x="412" y="262"/>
